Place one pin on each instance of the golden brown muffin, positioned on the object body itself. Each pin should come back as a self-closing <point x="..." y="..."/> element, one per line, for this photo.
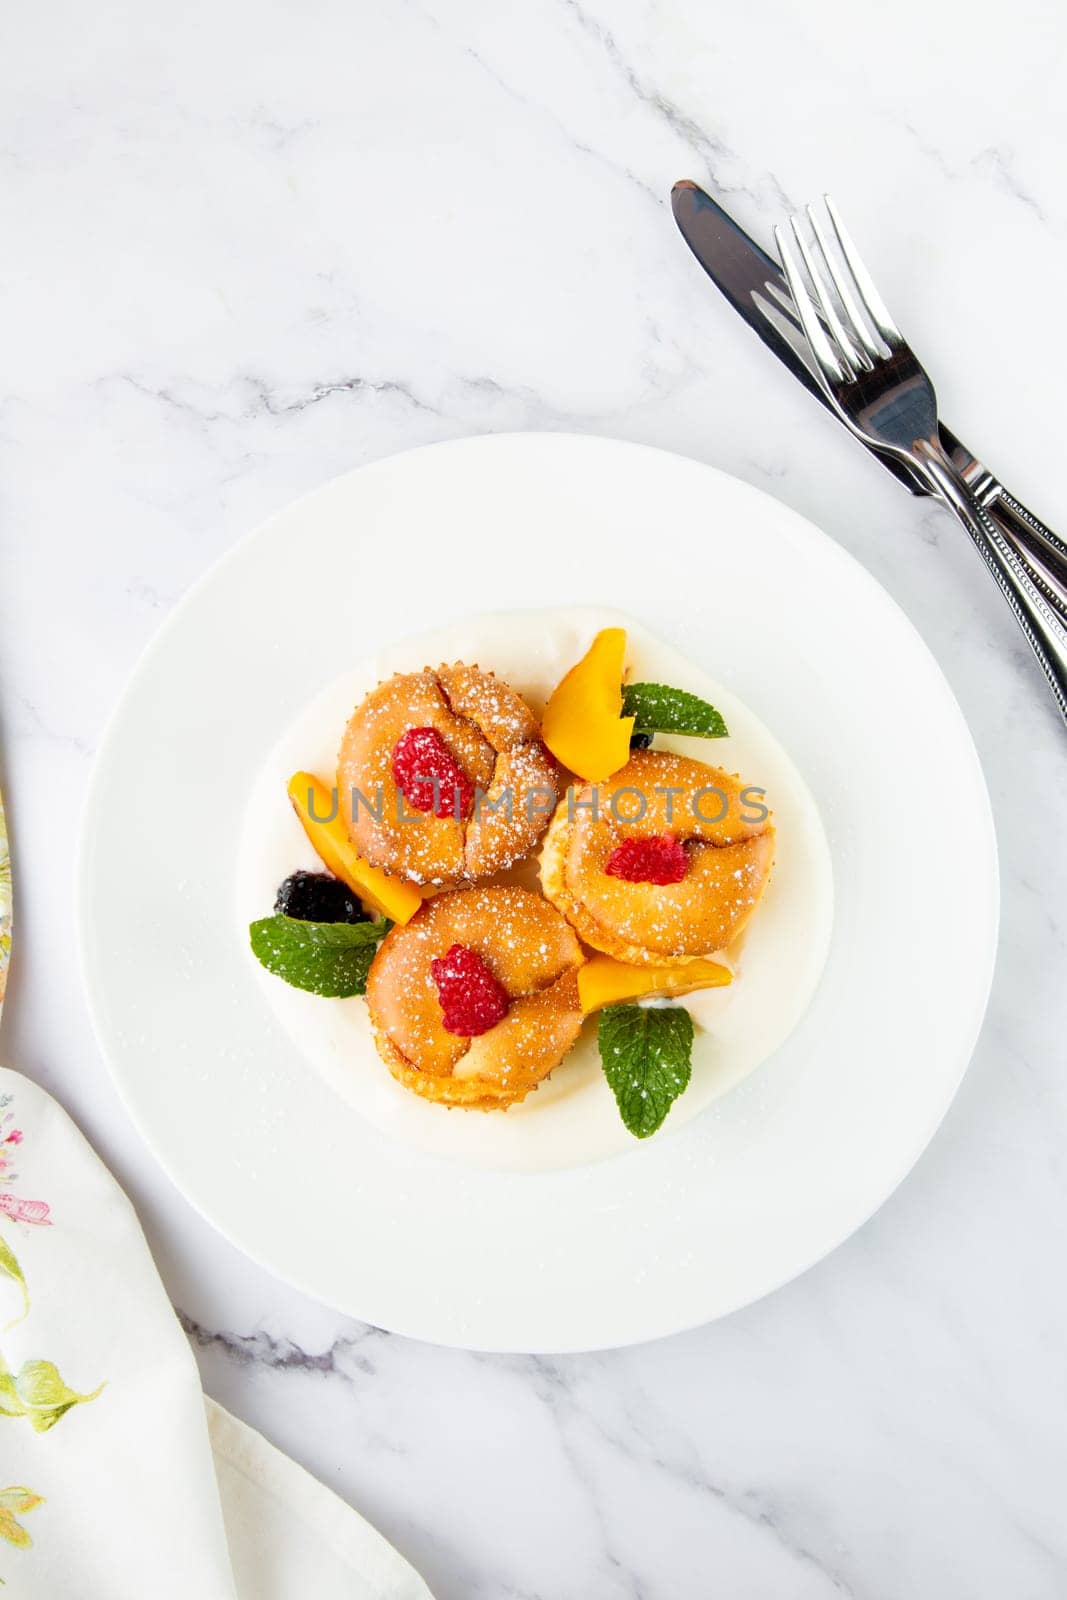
<point x="506" y="781"/>
<point x="726" y="862"/>
<point x="533" y="956"/>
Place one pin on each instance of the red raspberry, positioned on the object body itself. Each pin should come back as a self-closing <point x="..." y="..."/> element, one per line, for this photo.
<point x="471" y="998"/>
<point x="420" y="757"/>
<point x="657" y="860"/>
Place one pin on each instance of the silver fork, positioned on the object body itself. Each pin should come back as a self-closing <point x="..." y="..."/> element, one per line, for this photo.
<point x="879" y="389"/>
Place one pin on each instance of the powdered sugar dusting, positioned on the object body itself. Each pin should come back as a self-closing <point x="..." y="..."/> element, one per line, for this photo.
<point x="700" y="912"/>
<point x="488" y="737"/>
<point x="526" y="947"/>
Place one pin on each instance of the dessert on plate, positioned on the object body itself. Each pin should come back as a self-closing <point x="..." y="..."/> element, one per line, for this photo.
<point x="476" y="990"/>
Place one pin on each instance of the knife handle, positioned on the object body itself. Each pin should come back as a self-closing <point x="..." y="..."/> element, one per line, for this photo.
<point x="1043" y="630"/>
<point x="1042" y="553"/>
<point x="1029" y="531"/>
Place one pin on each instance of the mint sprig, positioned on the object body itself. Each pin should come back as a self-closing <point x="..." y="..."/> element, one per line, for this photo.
<point x="646" y="1053"/>
<point x="327" y="958"/>
<point x="658" y="708"/>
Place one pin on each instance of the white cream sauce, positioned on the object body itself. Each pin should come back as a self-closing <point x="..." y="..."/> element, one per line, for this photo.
<point x="571" y="1119"/>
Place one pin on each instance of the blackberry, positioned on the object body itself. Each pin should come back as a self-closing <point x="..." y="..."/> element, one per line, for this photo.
<point x="640" y="741"/>
<point x="318" y="897"/>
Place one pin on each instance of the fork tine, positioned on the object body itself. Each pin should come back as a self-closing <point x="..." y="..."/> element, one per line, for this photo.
<point x="853" y="357"/>
<point x="829" y="364"/>
<point x="872" y="301"/>
<point x="842" y="283"/>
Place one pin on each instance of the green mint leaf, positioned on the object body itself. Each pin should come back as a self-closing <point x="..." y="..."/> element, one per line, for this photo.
<point x="660" y="709"/>
<point x="646" y="1053"/>
<point x="327" y="958"/>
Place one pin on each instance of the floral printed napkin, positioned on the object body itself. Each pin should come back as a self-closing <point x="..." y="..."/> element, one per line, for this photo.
<point x="5" y="903"/>
<point x="115" y="1484"/>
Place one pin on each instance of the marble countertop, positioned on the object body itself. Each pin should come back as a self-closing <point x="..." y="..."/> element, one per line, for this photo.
<point x="249" y="246"/>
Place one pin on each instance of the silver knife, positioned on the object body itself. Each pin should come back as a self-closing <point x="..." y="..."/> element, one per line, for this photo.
<point x="755" y="286"/>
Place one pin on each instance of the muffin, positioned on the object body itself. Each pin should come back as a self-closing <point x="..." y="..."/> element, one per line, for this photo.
<point x="475" y="1000"/>
<point x="443" y="776"/>
<point x="663" y="863"/>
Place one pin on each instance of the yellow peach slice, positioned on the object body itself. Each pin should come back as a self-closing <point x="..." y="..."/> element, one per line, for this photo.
<point x="582" y="725"/>
<point x="392" y="897"/>
<point x="603" y="981"/>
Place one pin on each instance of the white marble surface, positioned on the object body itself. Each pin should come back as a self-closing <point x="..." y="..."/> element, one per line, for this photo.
<point x="250" y="245"/>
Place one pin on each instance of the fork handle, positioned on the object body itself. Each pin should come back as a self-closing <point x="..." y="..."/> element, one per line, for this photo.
<point x="1044" y="545"/>
<point x="1044" y="634"/>
<point x="1046" y="571"/>
<point x="1041" y="551"/>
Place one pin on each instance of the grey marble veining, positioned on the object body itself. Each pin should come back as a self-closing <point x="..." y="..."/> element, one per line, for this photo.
<point x="250" y="247"/>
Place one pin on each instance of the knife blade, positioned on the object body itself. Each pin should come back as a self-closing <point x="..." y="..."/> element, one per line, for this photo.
<point x="755" y="286"/>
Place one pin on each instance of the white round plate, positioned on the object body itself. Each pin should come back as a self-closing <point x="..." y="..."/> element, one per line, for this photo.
<point x="671" y="1233"/>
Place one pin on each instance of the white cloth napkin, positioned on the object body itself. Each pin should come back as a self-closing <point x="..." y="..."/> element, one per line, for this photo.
<point x="114" y="1484"/>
